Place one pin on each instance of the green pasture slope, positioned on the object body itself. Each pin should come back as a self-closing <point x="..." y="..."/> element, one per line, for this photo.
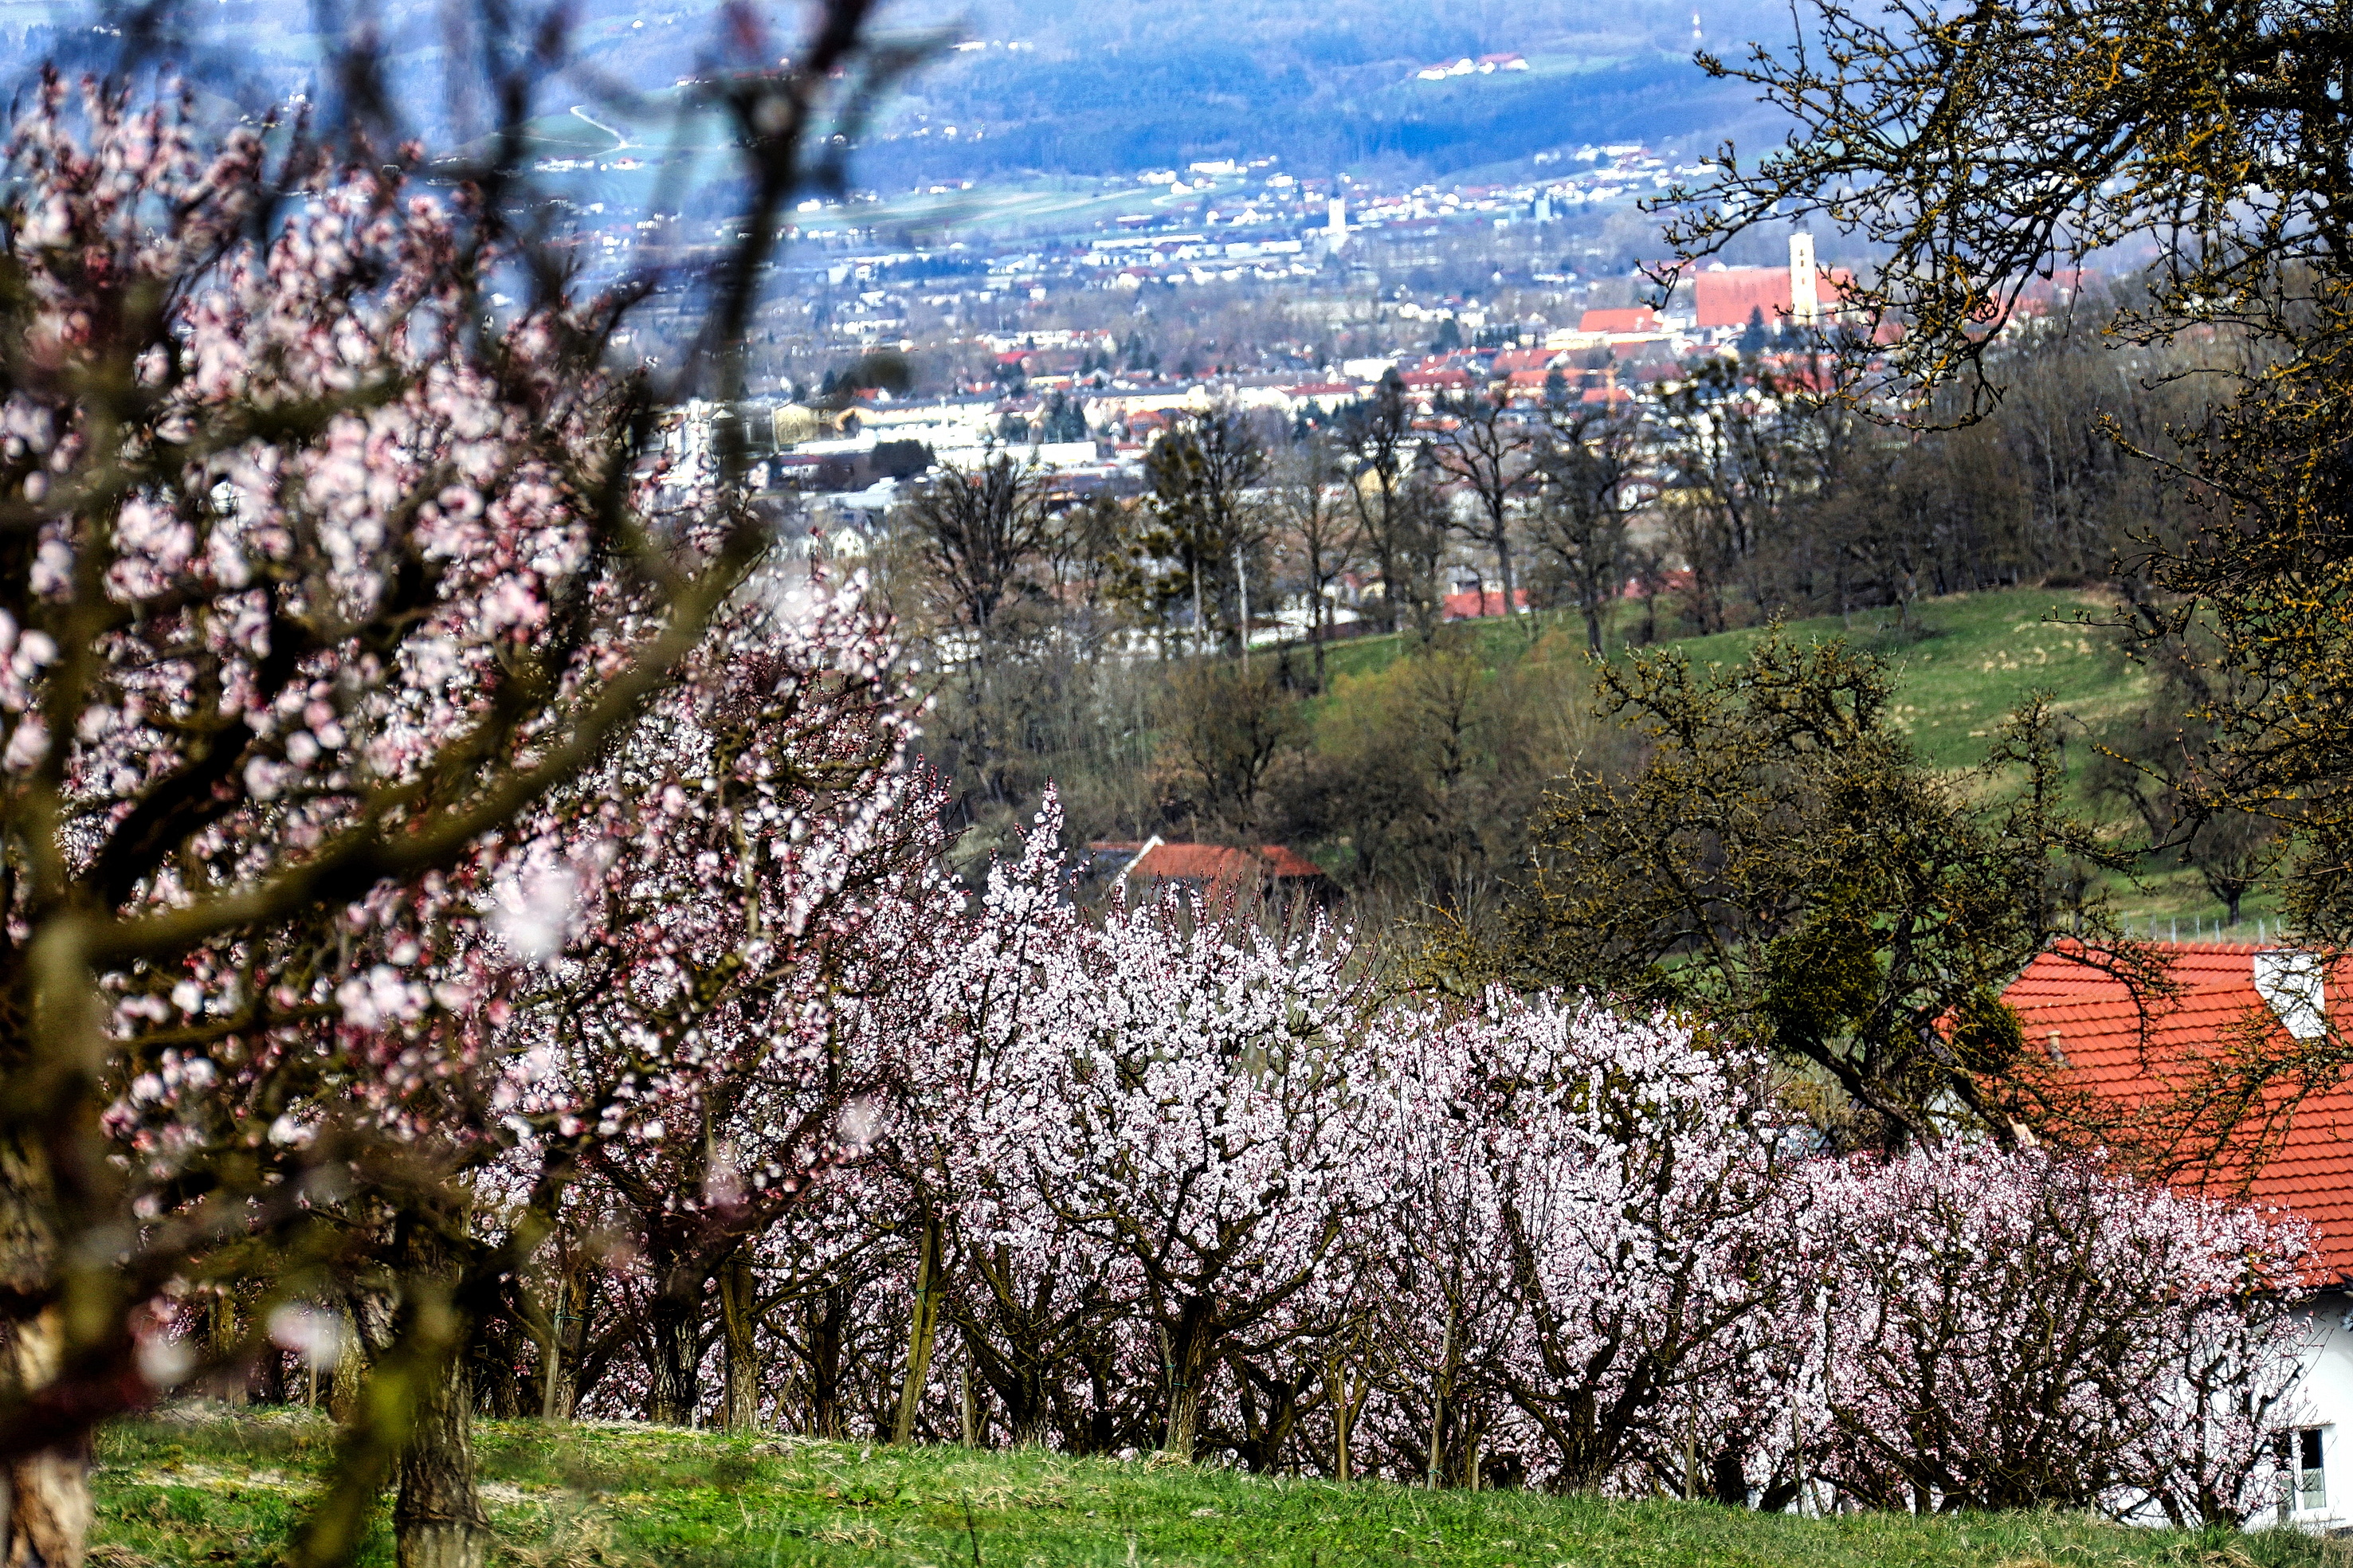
<point x="218" y="1490"/>
<point x="1961" y="665"/>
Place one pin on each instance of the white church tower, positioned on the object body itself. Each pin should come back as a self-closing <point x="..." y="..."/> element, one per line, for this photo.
<point x="1805" y="281"/>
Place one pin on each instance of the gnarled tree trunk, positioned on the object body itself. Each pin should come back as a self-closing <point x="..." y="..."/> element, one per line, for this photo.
<point x="225" y="1347"/>
<point x="44" y="1502"/>
<point x="558" y="1362"/>
<point x="921" y="1334"/>
<point x="438" y="1520"/>
<point x="739" y="1328"/>
<point x="1191" y="1345"/>
<point x="674" y="1335"/>
<point x="1440" y="1387"/>
<point x="673" y="1395"/>
<point x="828" y="1347"/>
<point x="367" y="1334"/>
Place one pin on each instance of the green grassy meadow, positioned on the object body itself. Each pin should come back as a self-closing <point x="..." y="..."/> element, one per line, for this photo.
<point x="1962" y="665"/>
<point x="1964" y="662"/>
<point x="209" y="1488"/>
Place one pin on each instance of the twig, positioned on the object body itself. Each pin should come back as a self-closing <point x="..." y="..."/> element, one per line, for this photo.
<point x="970" y="1527"/>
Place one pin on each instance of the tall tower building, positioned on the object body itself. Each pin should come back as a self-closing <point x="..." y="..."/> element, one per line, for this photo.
<point x="1335" y="225"/>
<point x="1805" y="281"/>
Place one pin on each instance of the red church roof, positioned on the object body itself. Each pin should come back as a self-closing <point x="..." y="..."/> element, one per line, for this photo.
<point x="1727" y="298"/>
<point x="2139" y="1053"/>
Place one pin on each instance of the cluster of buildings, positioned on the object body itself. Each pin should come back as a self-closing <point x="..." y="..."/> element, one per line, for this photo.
<point x="1485" y="65"/>
<point x="1059" y="402"/>
<point x="1225" y="219"/>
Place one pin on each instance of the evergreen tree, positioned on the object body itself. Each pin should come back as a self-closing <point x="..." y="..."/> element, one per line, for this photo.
<point x="1752" y="337"/>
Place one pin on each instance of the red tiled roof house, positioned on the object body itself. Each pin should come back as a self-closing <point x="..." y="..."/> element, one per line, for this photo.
<point x="2127" y="1053"/>
<point x="1155" y="865"/>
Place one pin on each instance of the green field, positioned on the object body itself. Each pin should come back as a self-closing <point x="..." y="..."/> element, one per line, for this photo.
<point x="1962" y="664"/>
<point x="210" y="1489"/>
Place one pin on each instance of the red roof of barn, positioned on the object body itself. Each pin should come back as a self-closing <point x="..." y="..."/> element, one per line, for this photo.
<point x="1218" y="863"/>
<point x="1285" y="862"/>
<point x="2138" y="1054"/>
<point x="1473" y="604"/>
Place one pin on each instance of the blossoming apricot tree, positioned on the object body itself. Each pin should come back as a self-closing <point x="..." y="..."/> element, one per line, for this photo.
<point x="322" y="565"/>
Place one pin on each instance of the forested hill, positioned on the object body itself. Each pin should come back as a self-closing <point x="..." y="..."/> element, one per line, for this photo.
<point x="1414" y="770"/>
<point x="1088" y="89"/>
<point x="1070" y="87"/>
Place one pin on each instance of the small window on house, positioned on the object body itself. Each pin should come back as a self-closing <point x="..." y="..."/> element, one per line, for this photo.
<point x="2295" y="987"/>
<point x="2298" y="1455"/>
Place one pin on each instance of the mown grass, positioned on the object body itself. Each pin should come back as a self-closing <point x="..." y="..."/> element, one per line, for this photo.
<point x="208" y="1488"/>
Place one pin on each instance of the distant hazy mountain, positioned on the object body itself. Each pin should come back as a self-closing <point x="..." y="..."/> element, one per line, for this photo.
<point x="1106" y="87"/>
<point x="1083" y="86"/>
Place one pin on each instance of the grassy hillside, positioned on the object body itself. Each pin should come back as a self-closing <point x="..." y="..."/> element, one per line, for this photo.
<point x="210" y="1489"/>
<point x="1963" y="663"/>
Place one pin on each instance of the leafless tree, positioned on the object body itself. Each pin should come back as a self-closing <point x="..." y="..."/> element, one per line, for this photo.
<point x="977" y="531"/>
<point x="1490" y="454"/>
<point x="978" y="538"/>
<point x="1313" y="511"/>
<point x="1378" y="437"/>
<point x="1583" y="502"/>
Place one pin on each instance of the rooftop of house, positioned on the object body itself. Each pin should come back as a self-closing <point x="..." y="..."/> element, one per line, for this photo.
<point x="2079" y="1010"/>
<point x="1627" y="319"/>
<point x="1158" y="860"/>
<point x="1472" y="604"/>
<point x="1513" y="361"/>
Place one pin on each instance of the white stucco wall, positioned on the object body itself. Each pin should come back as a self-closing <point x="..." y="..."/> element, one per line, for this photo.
<point x="2325" y="1393"/>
